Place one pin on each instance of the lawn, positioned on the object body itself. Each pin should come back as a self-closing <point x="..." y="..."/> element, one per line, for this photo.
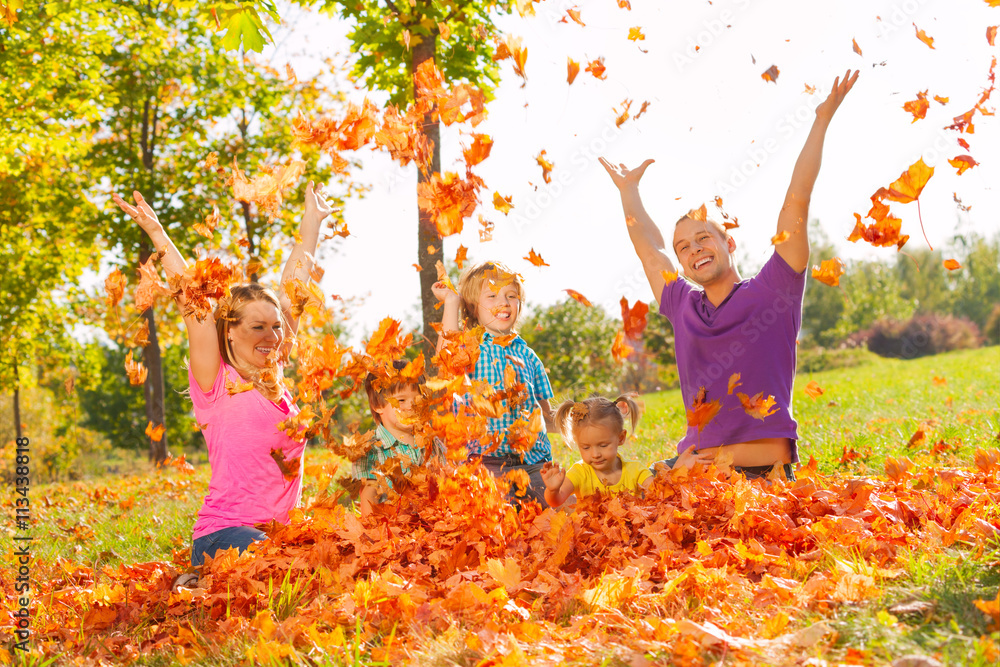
<point x="850" y="565"/>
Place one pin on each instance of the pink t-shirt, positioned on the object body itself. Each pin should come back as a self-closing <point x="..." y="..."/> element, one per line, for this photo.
<point x="246" y="487"/>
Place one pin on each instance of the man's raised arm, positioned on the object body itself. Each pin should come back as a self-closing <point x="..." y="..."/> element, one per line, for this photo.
<point x="646" y="237"/>
<point x="794" y="215"/>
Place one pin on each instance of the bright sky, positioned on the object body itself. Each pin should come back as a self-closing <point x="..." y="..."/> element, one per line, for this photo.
<point x="714" y="127"/>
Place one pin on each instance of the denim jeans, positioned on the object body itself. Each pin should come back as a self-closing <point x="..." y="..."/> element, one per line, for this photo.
<point x="236" y="536"/>
<point x="750" y="472"/>
<point x="500" y="465"/>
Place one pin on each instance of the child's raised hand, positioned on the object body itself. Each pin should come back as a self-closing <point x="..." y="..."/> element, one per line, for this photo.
<point x="443" y="292"/>
<point x="837" y="94"/>
<point x="142" y="212"/>
<point x="553" y="475"/>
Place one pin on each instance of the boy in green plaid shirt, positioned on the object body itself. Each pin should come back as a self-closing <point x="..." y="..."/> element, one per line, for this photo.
<point x="392" y="409"/>
<point x="490" y="295"/>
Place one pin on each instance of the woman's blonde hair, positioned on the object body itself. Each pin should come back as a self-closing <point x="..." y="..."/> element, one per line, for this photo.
<point x="572" y="414"/>
<point x="229" y="313"/>
<point x="470" y="287"/>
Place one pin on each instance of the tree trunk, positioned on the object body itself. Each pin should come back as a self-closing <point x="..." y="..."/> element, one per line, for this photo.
<point x="429" y="250"/>
<point x="153" y="388"/>
<point x="17" y="411"/>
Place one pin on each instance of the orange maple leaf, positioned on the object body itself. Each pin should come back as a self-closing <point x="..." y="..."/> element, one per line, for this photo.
<point x="212" y="221"/>
<point x="668" y="276"/>
<point x="829" y="271"/>
<point x="155" y="433"/>
<point x="482" y="144"/>
<point x="233" y="388"/>
<point x="699" y="214"/>
<point x="267" y="188"/>
<point x="642" y="110"/>
<point x="289" y="467"/>
<point x="962" y="163"/>
<point x="702" y="411"/>
<point x="991" y="35"/>
<point x="635" y="34"/>
<point x="857" y="49"/>
<point x="572" y="69"/>
<point x="579" y="297"/>
<point x="780" y="237"/>
<point x="734" y="382"/>
<point x="535" y="258"/>
<point x="114" y="287"/>
<point x="634" y="319"/>
<point x="952" y="264"/>
<point x="881" y="233"/>
<point x="211" y="161"/>
<point x="923" y="36"/>
<point x="149" y="286"/>
<point x="596" y="67"/>
<point x="911" y="182"/>
<point x="449" y="199"/>
<point x="771" y="74"/>
<point x="502" y="204"/>
<point x="136" y="371"/>
<point x="546" y="166"/>
<point x="620" y="349"/>
<point x="757" y="406"/>
<point x="940" y="100"/>
<point x="813" y="390"/>
<point x="574" y="14"/>
<point x="917" y="107"/>
<point x="625" y="4"/>
<point x="623" y="116"/>
<point x="510" y="47"/>
<point x="810" y="89"/>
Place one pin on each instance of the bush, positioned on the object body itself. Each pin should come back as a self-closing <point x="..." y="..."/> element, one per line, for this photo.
<point x="922" y="335"/>
<point x="816" y="359"/>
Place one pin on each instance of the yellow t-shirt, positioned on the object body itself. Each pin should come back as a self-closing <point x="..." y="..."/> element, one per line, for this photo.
<point x="586" y="482"/>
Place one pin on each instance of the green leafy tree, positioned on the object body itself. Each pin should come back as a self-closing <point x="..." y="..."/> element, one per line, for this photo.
<point x="871" y="292"/>
<point x="976" y="286"/>
<point x="822" y="305"/>
<point x="392" y="40"/>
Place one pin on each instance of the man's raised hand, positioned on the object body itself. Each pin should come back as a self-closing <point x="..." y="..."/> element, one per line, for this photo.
<point x="622" y="176"/>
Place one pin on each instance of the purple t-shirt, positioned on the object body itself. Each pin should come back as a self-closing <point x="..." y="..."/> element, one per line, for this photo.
<point x="752" y="333"/>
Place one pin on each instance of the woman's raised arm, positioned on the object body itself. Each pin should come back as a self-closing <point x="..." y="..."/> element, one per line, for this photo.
<point x="202" y="337"/>
<point x="300" y="262"/>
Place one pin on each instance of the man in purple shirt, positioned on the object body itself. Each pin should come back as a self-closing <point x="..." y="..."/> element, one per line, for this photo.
<point x="734" y="339"/>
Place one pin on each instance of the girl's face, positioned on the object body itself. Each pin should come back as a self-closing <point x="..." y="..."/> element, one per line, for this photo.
<point x="599" y="445"/>
<point x="258" y="334"/>
<point x="498" y="309"/>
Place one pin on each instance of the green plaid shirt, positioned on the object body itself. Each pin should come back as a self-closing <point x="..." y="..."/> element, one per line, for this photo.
<point x="385" y="447"/>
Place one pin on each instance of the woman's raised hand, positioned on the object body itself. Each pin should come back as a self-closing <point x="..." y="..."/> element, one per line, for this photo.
<point x="142" y="212"/>
<point x="829" y="106"/>
<point x="622" y="175"/>
<point x="317" y="207"/>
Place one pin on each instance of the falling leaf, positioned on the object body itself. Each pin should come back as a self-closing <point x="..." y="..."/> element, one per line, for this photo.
<point x="596" y="67"/>
<point x="141" y="336"/>
<point x="952" y="264"/>
<point x="940" y="100"/>
<point x="962" y="163"/>
<point x="829" y="271"/>
<point x="780" y="237"/>
<point x="734" y="382"/>
<point x="702" y="411"/>
<point x="908" y="186"/>
<point x="699" y="214"/>
<point x="482" y="144"/>
<point x="535" y="258"/>
<point x="114" y="287"/>
<point x="635" y="34"/>
<point x="574" y="14"/>
<point x="634" y="319"/>
<point x="449" y="199"/>
<point x="758" y="406"/>
<point x="486" y="233"/>
<point x="233" y="388"/>
<point x="443" y="30"/>
<point x="668" y="276"/>
<point x="136" y="371"/>
<point x="923" y="37"/>
<point x="546" y="166"/>
<point x="813" y="390"/>
<point x="267" y="188"/>
<point x="771" y="74"/>
<point x="917" y="107"/>
<point x="810" y="89"/>
<point x="149" y="287"/>
<point x="155" y="433"/>
<point x="625" y="4"/>
<point x="502" y="204"/>
<point x="579" y="297"/>
<point x="289" y="467"/>
<point x="620" y="350"/>
<point x="212" y="221"/>
<point x="211" y="161"/>
<point x="461" y="256"/>
<point x="623" y="116"/>
<point x="572" y="69"/>
<point x="510" y="47"/>
<point x="991" y="35"/>
<point x="642" y="110"/>
<point x="857" y="49"/>
<point x="881" y="233"/>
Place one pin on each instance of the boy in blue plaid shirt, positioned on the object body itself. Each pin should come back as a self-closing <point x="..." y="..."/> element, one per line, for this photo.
<point x="392" y="409"/>
<point x="490" y="295"/>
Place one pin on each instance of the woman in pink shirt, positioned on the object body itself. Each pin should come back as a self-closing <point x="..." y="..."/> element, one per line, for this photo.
<point x="245" y="341"/>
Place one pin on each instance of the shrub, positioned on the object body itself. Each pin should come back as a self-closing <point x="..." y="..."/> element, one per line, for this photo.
<point x="992" y="328"/>
<point x="922" y="335"/>
<point x="816" y="359"/>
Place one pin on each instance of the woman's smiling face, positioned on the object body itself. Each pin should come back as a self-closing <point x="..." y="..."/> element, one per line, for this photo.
<point x="255" y="340"/>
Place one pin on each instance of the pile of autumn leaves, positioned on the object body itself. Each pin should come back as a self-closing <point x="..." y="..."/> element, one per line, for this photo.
<point x="702" y="562"/>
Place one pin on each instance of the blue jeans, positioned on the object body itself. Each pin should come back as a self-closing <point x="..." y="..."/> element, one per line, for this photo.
<point x="237" y="536"/>
<point x="500" y="465"/>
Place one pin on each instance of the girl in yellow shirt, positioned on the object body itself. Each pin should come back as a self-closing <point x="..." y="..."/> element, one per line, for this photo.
<point x="597" y="427"/>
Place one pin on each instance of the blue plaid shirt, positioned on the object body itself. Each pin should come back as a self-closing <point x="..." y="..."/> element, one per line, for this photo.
<point x="385" y="447"/>
<point x="493" y="362"/>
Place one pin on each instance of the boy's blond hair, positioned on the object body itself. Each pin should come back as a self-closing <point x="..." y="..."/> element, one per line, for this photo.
<point x="470" y="287"/>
